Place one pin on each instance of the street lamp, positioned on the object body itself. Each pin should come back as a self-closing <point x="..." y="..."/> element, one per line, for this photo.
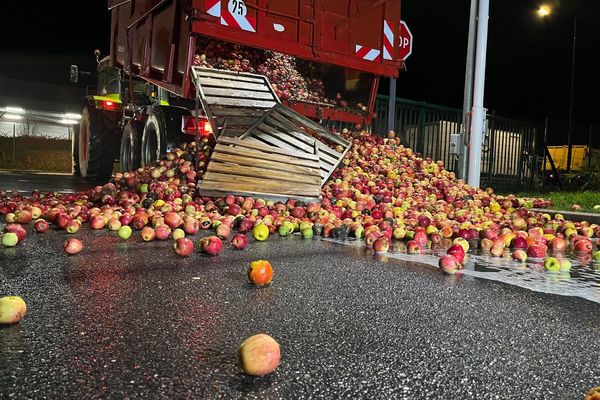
<point x="543" y="12"/>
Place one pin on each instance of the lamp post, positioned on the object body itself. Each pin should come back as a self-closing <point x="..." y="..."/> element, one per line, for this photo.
<point x="543" y="12"/>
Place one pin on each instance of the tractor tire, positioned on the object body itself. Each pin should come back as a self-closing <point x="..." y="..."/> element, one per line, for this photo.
<point x="96" y="144"/>
<point x="130" y="153"/>
<point x="154" y="136"/>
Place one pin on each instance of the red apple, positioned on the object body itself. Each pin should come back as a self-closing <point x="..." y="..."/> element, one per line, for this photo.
<point x="148" y="234"/>
<point x="183" y="247"/>
<point x="458" y="252"/>
<point x="41" y="226"/>
<point x="259" y="355"/>
<point x="73" y="246"/>
<point x="239" y="241"/>
<point x="210" y="245"/>
<point x="381" y="245"/>
<point x="449" y="264"/>
<point x="162" y="232"/>
<point x="260" y="273"/>
<point x="16" y="229"/>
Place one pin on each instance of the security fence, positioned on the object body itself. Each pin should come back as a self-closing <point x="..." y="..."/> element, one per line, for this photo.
<point x="509" y="156"/>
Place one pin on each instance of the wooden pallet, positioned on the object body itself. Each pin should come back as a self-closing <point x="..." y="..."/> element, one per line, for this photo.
<point x="247" y="168"/>
<point x="233" y="101"/>
<point x="284" y="128"/>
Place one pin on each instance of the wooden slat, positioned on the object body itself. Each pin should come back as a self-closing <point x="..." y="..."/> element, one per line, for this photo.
<point x="242" y="160"/>
<point x="230" y="75"/>
<point x="270" y="149"/>
<point x="222" y="83"/>
<point x="242" y="112"/>
<point x="285" y="138"/>
<point x="311" y="125"/>
<point x="269" y="186"/>
<point x="260" y="172"/>
<point x="237" y="102"/>
<point x="246" y="94"/>
<point x="239" y="151"/>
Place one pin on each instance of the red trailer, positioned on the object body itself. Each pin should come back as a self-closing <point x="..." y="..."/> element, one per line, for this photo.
<point x="153" y="44"/>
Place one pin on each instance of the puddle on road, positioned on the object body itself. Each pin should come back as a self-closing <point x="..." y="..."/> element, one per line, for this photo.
<point x="583" y="280"/>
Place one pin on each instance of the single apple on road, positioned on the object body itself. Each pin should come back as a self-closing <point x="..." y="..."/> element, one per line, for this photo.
<point x="449" y="264"/>
<point x="124" y="232"/>
<point x="10" y="239"/>
<point x="73" y="246"/>
<point x="41" y="226"/>
<point x="183" y="247"/>
<point x="12" y="309"/>
<point x="259" y="355"/>
<point x="260" y="273"/>
<point x="210" y="245"/>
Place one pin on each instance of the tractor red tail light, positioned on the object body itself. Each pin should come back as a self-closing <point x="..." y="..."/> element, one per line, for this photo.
<point x="188" y="126"/>
<point x="108" y="105"/>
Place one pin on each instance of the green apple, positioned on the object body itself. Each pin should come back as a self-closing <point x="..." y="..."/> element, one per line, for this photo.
<point x="260" y="232"/>
<point x="552" y="264"/>
<point x="597" y="208"/>
<point x="10" y="239"/>
<point x="124" y="232"/>
<point x="178" y="233"/>
<point x="596" y="256"/>
<point x="143" y="188"/>
<point x="307" y="233"/>
<point x="359" y="232"/>
<point x="283" y="231"/>
<point x="565" y="266"/>
<point x="305" y="225"/>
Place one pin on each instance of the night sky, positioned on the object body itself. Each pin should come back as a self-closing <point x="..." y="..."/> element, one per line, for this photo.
<point x="529" y="59"/>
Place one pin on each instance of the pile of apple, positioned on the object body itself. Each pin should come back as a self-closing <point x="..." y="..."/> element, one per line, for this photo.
<point x="290" y="80"/>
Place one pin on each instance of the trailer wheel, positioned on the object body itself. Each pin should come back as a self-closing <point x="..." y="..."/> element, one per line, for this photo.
<point x="130" y="146"/>
<point x="95" y="142"/>
<point x="154" y="136"/>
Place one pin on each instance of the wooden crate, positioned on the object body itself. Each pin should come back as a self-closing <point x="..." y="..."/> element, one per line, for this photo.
<point x="247" y="168"/>
<point x="284" y="128"/>
<point x="233" y="101"/>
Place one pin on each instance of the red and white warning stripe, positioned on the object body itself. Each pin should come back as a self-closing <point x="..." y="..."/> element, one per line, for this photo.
<point x="238" y="21"/>
<point x="213" y="7"/>
<point x="367" y="54"/>
<point x="388" y="41"/>
<point x="216" y="9"/>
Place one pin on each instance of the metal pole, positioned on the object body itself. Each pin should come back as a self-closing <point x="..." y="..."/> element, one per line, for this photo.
<point x="570" y="134"/>
<point x="468" y="96"/>
<point x="392" y="106"/>
<point x="478" y="116"/>
<point x="14" y="146"/>
<point x="590" y="144"/>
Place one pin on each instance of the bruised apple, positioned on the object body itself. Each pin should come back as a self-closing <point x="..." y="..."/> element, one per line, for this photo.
<point x="260" y="273"/>
<point x="12" y="309"/>
<point x="259" y="355"/>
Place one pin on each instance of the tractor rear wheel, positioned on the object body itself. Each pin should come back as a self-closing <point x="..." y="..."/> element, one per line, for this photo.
<point x="154" y="136"/>
<point x="130" y="146"/>
<point x="96" y="144"/>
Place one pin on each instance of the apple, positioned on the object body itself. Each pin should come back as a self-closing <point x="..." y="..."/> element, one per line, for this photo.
<point x="497" y="249"/>
<point x="593" y="394"/>
<point x="552" y="264"/>
<point x="10" y="239"/>
<point x="239" y="241"/>
<point x="23" y="217"/>
<point x="183" y="247"/>
<point x="283" y="231"/>
<point x="381" y="245"/>
<point x="596" y="256"/>
<point x="413" y="247"/>
<point x="449" y="264"/>
<point x="17" y="230"/>
<point x="260" y="273"/>
<point x="41" y="226"/>
<point x="223" y="231"/>
<point x="485" y="244"/>
<point x="73" y="246"/>
<point x="536" y="251"/>
<point x="260" y="232"/>
<point x="565" y="265"/>
<point x="173" y="220"/>
<point x="178" y="234"/>
<point x="518" y="242"/>
<point x="462" y="242"/>
<point x="114" y="224"/>
<point x="148" y="234"/>
<point x="124" y="232"/>
<point x="307" y="233"/>
<point x="12" y="310"/>
<point x="458" y="252"/>
<point x="519" y="255"/>
<point x="162" y="232"/>
<point x="259" y="355"/>
<point x="210" y="245"/>
<point x="584" y="246"/>
<point x="73" y="226"/>
<point x="558" y="245"/>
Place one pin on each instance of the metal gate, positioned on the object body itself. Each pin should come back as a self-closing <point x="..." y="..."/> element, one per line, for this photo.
<point x="509" y="154"/>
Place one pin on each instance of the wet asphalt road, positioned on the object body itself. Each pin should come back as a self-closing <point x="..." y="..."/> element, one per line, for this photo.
<point x="131" y="320"/>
